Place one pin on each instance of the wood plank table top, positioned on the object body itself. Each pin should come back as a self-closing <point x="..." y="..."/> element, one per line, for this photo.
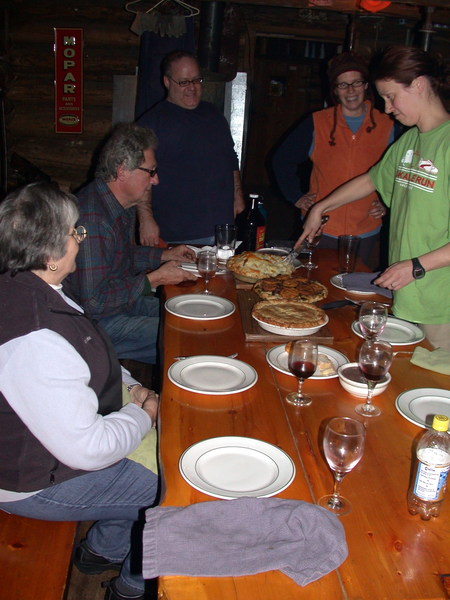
<point x="392" y="555"/>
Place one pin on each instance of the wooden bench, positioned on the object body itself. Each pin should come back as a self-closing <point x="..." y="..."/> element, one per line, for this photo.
<point x="35" y="557"/>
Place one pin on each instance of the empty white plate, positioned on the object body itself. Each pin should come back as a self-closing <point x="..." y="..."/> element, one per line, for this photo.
<point x="212" y="375"/>
<point x="421" y="404"/>
<point x="397" y="332"/>
<point x="200" y="307"/>
<point x="233" y="466"/>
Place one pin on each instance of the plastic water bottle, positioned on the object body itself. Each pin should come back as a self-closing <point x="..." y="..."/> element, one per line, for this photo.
<point x="428" y="485"/>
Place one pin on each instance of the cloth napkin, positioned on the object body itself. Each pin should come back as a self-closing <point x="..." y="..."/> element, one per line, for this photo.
<point x="434" y="360"/>
<point x="362" y="282"/>
<point x="243" y="537"/>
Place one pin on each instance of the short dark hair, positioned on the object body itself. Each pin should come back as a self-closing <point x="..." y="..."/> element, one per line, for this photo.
<point x="125" y="146"/>
<point x="172" y="57"/>
<point x="34" y="224"/>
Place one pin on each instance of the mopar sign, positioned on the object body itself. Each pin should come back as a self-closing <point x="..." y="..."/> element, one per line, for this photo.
<point x="68" y="80"/>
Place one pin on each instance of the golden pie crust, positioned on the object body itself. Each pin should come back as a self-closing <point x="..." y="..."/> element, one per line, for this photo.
<point x="285" y="287"/>
<point x="289" y="314"/>
<point x="256" y="265"/>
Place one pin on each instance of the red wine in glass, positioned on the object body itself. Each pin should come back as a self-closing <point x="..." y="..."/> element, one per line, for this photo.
<point x="375" y="358"/>
<point x="302" y="362"/>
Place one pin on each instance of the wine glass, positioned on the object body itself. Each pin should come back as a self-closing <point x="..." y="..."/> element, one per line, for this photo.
<point x="343" y="444"/>
<point x="302" y="362"/>
<point x="372" y="319"/>
<point x="207" y="267"/>
<point x="309" y="247"/>
<point x="375" y="358"/>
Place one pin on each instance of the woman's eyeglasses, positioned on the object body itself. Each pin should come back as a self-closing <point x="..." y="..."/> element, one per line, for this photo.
<point x="79" y="233"/>
<point x="186" y="82"/>
<point x="151" y="172"/>
<point x="355" y="84"/>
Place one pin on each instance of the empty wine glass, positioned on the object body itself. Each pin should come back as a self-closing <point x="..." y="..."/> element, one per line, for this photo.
<point x="207" y="267"/>
<point x="302" y="362"/>
<point x="343" y="444"/>
<point x="308" y="247"/>
<point x="372" y="319"/>
<point x="375" y="358"/>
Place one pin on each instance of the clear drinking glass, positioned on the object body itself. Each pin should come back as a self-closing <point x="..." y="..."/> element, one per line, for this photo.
<point x="207" y="267"/>
<point x="372" y="319"/>
<point x="343" y="444"/>
<point x="302" y="362"/>
<point x="375" y="359"/>
<point x="309" y="248"/>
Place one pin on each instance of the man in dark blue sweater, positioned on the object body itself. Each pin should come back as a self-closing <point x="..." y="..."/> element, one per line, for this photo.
<point x="199" y="180"/>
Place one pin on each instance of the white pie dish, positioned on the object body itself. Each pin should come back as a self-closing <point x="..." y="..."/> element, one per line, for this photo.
<point x="352" y="380"/>
<point x="291" y="331"/>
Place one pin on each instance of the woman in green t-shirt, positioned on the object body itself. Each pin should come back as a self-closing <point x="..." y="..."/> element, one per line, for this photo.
<point x="413" y="179"/>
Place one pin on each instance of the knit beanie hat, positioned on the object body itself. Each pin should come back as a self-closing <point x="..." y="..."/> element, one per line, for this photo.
<point x="347" y="61"/>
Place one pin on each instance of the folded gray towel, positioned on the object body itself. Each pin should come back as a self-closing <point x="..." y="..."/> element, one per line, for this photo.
<point x="243" y="537"/>
<point x="362" y="282"/>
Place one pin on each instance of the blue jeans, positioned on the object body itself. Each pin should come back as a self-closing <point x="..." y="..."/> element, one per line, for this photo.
<point x="114" y="497"/>
<point x="134" y="333"/>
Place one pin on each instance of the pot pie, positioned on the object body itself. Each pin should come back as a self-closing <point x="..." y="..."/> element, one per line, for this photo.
<point x="256" y="265"/>
<point x="289" y="314"/>
<point x="285" y="287"/>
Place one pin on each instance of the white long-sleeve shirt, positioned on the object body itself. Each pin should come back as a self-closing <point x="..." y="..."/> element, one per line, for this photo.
<point x="45" y="381"/>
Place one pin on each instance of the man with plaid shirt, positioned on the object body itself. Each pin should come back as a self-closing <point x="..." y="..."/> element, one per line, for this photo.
<point x="115" y="277"/>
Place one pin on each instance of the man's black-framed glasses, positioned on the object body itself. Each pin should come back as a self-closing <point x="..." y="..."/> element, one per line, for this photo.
<point x="355" y="84"/>
<point x="79" y="233"/>
<point x="151" y="172"/>
<point x="185" y="82"/>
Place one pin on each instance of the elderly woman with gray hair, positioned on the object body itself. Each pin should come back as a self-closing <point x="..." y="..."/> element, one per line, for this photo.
<point x="65" y="434"/>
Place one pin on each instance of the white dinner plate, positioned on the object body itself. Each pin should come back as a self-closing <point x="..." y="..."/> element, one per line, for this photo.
<point x="421" y="404"/>
<point x="336" y="280"/>
<point x="277" y="357"/>
<point x="212" y="375"/>
<point x="232" y="467"/>
<point x="200" y="307"/>
<point x="397" y="332"/>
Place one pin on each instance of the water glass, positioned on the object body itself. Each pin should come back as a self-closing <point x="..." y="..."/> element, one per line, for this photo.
<point x="226" y="236"/>
<point x="348" y="250"/>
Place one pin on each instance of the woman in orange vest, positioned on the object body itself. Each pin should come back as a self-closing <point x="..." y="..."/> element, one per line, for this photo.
<point x="342" y="142"/>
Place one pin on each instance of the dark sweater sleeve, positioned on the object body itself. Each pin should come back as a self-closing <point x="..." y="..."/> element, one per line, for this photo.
<point x="292" y="152"/>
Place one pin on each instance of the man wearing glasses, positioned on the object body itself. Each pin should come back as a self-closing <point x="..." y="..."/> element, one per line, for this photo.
<point x="115" y="277"/>
<point x="199" y="180"/>
<point x="342" y="142"/>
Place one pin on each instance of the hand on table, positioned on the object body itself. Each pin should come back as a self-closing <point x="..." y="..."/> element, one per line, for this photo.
<point x="396" y="276"/>
<point x="181" y="252"/>
<point x="170" y="273"/>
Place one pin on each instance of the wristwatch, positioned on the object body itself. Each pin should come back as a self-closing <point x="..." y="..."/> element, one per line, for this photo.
<point x="418" y="271"/>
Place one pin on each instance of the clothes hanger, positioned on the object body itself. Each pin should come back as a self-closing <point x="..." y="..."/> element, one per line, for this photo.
<point x="192" y="11"/>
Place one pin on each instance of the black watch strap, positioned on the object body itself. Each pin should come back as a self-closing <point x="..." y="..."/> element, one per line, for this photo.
<point x="417" y="269"/>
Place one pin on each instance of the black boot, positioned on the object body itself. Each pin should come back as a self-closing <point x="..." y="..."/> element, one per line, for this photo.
<point x="90" y="563"/>
<point x="112" y="593"/>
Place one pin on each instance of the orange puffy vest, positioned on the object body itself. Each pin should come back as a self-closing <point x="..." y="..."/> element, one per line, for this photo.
<point x="352" y="155"/>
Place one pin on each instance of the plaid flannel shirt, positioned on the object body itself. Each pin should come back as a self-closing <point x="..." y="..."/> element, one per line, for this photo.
<point x="111" y="268"/>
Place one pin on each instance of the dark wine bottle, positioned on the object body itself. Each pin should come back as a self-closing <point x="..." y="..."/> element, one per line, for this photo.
<point x="255" y="226"/>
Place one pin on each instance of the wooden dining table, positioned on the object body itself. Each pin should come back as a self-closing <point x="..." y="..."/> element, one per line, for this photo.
<point x="392" y="555"/>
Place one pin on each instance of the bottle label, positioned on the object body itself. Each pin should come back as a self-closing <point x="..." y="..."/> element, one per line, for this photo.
<point x="260" y="235"/>
<point x="430" y="479"/>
